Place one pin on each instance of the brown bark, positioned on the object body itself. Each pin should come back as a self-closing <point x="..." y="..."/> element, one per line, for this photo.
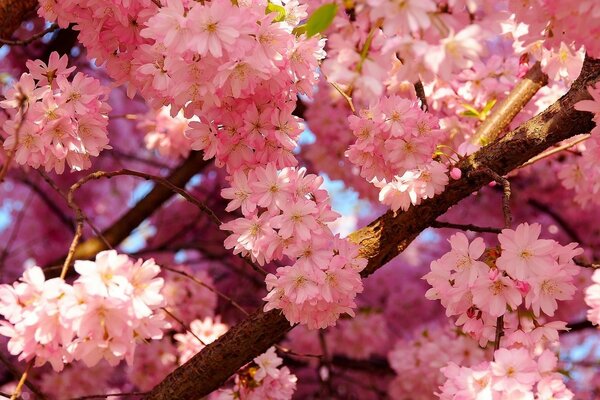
<point x="386" y="237"/>
<point x="508" y="108"/>
<point x="12" y="13"/>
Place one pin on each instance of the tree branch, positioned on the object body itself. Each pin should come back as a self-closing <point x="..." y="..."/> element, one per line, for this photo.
<point x="138" y="213"/>
<point x="12" y="13"/>
<point x="386" y="237"/>
<point x="505" y="111"/>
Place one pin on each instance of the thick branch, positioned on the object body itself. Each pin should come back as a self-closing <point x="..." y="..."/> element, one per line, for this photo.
<point x="12" y="13"/>
<point x="386" y="237"/>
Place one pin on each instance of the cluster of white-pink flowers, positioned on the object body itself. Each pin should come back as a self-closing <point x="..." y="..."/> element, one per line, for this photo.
<point x="236" y="66"/>
<point x="200" y="334"/>
<point x="515" y="374"/>
<point x="286" y="215"/>
<point x="417" y="361"/>
<point x="187" y="300"/>
<point x="525" y="272"/>
<point x="267" y="379"/>
<point x="54" y="120"/>
<point x="394" y="147"/>
<point x="110" y="307"/>
<point x="556" y="22"/>
<point x="166" y="133"/>
<point x="592" y="299"/>
<point x="582" y="174"/>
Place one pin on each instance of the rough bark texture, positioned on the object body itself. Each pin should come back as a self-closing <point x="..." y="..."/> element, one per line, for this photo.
<point x="386" y="237"/>
<point x="12" y="13"/>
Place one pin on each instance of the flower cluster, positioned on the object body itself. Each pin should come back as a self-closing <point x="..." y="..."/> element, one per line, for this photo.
<point x="166" y="133"/>
<point x="515" y="373"/>
<point x="264" y="380"/>
<point x="76" y="380"/>
<point x="286" y="214"/>
<point x="360" y="337"/>
<point x="556" y="22"/>
<point x="152" y="363"/>
<point x="394" y="147"/>
<point x="200" y="334"/>
<point x="592" y="299"/>
<point x="186" y="299"/>
<point x="236" y="65"/>
<point x="582" y="174"/>
<point x="54" y="120"/>
<point x="526" y="270"/>
<point x="110" y="307"/>
<point x="417" y="361"/>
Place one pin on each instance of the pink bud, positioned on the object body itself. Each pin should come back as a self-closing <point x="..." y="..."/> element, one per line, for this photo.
<point x="455" y="173"/>
<point x="471" y="312"/>
<point x="523" y="287"/>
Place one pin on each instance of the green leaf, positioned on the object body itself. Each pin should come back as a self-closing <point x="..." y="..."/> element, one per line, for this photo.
<point x="488" y="106"/>
<point x="299" y="30"/>
<point x="470" y="114"/>
<point x="321" y="18"/>
<point x="276" y="8"/>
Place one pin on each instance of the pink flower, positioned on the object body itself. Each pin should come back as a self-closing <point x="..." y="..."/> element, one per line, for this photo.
<point x="592" y="299"/>
<point x="239" y="193"/>
<point x="297" y="220"/>
<point x="513" y="370"/>
<point x="268" y="364"/>
<point x="546" y="288"/>
<point x="494" y="295"/>
<point x="47" y="74"/>
<point x="214" y="28"/>
<point x="463" y="258"/>
<point x="523" y="254"/>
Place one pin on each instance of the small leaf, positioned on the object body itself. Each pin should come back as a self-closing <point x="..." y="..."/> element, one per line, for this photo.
<point x="470" y="114"/>
<point x="299" y="30"/>
<point x="276" y="8"/>
<point x="488" y="106"/>
<point x="321" y="18"/>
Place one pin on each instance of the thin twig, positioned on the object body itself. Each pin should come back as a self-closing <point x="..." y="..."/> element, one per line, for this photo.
<point x="11" y="153"/>
<point x="19" y="388"/>
<point x="11" y="368"/>
<point x="180" y="322"/>
<point x="507" y="224"/>
<point x="555" y="150"/>
<point x="65" y="196"/>
<point x="23" y="42"/>
<point x="290" y="352"/>
<point x="420" y="91"/>
<point x="67" y="221"/>
<point x="325" y="363"/>
<point x="499" y="332"/>
<point x="506" y="195"/>
<point x="465" y="227"/>
<point x="160" y="180"/>
<point x="105" y="396"/>
<point x="104" y="174"/>
<point x="212" y="289"/>
<point x="562" y="222"/>
<point x="16" y="228"/>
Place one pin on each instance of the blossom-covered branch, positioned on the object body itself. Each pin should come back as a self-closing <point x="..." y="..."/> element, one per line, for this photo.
<point x="387" y="236"/>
